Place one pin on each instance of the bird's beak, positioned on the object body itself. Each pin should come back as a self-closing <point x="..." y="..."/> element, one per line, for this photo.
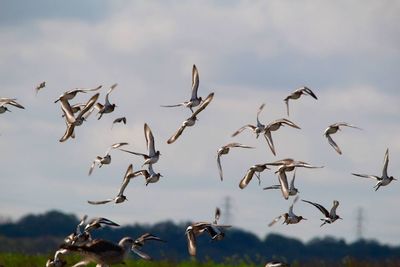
<point x="395" y="179"/>
<point x="304" y="218"/>
<point x="161" y="175"/>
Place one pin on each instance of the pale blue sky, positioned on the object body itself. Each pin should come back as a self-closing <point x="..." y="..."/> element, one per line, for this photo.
<point x="248" y="53"/>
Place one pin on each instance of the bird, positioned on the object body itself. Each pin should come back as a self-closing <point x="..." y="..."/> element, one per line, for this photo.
<point x="385" y="179"/>
<point x="150" y="175"/>
<point x="40" y="86"/>
<point x="69" y="95"/>
<point x="290" y="217"/>
<point x="153" y="155"/>
<point x="194" y="99"/>
<point x="333" y="128"/>
<point x="225" y="150"/>
<point x="258" y="168"/>
<point x="277" y="264"/>
<point x="8" y="101"/>
<point x="330" y="217"/>
<point x="191" y="120"/>
<point x="296" y="95"/>
<point x="57" y="261"/>
<point x="258" y="129"/>
<point x="292" y="189"/>
<point x="72" y="121"/>
<point x="273" y="126"/>
<point x="139" y="243"/>
<point x="106" y="159"/>
<point x="107" y="107"/>
<point x="102" y="252"/>
<point x="119" y="120"/>
<point x="120" y="196"/>
<point x="213" y="229"/>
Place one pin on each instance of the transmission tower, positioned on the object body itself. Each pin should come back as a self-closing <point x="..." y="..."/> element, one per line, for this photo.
<point x="227" y="211"/>
<point x="360" y="221"/>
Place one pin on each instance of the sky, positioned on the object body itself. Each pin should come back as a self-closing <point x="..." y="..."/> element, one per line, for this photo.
<point x="247" y="53"/>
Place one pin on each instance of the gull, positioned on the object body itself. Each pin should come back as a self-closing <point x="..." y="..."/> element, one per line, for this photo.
<point x="139" y="243"/>
<point x="191" y="120"/>
<point x="69" y="95"/>
<point x="259" y="128"/>
<point x="385" y="179"/>
<point x="333" y="128"/>
<point x="225" y="150"/>
<point x="150" y="175"/>
<point x="258" y="168"/>
<point x="273" y="126"/>
<point x="331" y="216"/>
<point x="290" y="217"/>
<point x="194" y="99"/>
<point x="101" y="252"/>
<point x="106" y="159"/>
<point x="292" y="189"/>
<point x="40" y="86"/>
<point x="72" y="121"/>
<point x="107" y="107"/>
<point x="276" y="264"/>
<point x="118" y="120"/>
<point x="120" y="196"/>
<point x="213" y="229"/>
<point x="153" y="155"/>
<point x="296" y="95"/>
<point x="8" y="101"/>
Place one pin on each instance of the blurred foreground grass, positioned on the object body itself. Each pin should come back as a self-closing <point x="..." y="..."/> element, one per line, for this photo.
<point x="21" y="260"/>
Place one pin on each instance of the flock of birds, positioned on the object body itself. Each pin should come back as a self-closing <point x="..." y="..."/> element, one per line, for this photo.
<point x="103" y="252"/>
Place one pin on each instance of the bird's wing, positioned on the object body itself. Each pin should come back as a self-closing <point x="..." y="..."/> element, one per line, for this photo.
<point x="92" y="167"/>
<point x="67" y="110"/>
<point x="191" y="238"/>
<point x="289" y="123"/>
<point x="333" y="144"/>
<point x="367" y="176"/>
<point x="195" y="82"/>
<point x="140" y="253"/>
<point x="334" y="207"/>
<point x="247" y="178"/>
<point x="176" y="135"/>
<point x="385" y="163"/>
<point x="318" y="206"/>
<point x="217" y="215"/>
<point x="272" y="187"/>
<point x="126" y="180"/>
<point x="275" y="220"/>
<point x="219" y="166"/>
<point x="284" y="184"/>
<point x="69" y="132"/>
<point x="238" y="145"/>
<point x="270" y="142"/>
<point x="171" y="106"/>
<point x="292" y="181"/>
<point x="122" y="119"/>
<point x="339" y="124"/>
<point x="100" y="202"/>
<point x="109" y="92"/>
<point x="203" y="105"/>
<point x="88" y="105"/>
<point x="259" y="111"/>
<point x="116" y="145"/>
<point x="89" y="89"/>
<point x="15" y="104"/>
<point x="248" y="126"/>
<point x="134" y="153"/>
<point x="149" y="140"/>
<point x="309" y="92"/>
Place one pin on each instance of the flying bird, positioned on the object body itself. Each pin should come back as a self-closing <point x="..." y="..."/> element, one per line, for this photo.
<point x="8" y="101"/>
<point x="69" y="95"/>
<point x="139" y="243"/>
<point x="333" y="129"/>
<point x="274" y="126"/>
<point x="330" y="217"/>
<point x="106" y="159"/>
<point x="120" y="196"/>
<point x="194" y="99"/>
<point x="296" y="95"/>
<point x="385" y="179"/>
<point x="153" y="155"/>
<point x="40" y="86"/>
<point x="150" y="175"/>
<point x="225" y="150"/>
<point x="257" y="130"/>
<point x="102" y="252"/>
<point x="290" y="217"/>
<point x="70" y="120"/>
<point x="107" y="107"/>
<point x="254" y="170"/>
<point x="118" y="120"/>
<point x="216" y="232"/>
<point x="292" y="189"/>
<point x="191" y="120"/>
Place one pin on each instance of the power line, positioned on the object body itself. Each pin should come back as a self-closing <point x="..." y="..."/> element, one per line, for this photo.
<point x="227" y="212"/>
<point x="360" y="220"/>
